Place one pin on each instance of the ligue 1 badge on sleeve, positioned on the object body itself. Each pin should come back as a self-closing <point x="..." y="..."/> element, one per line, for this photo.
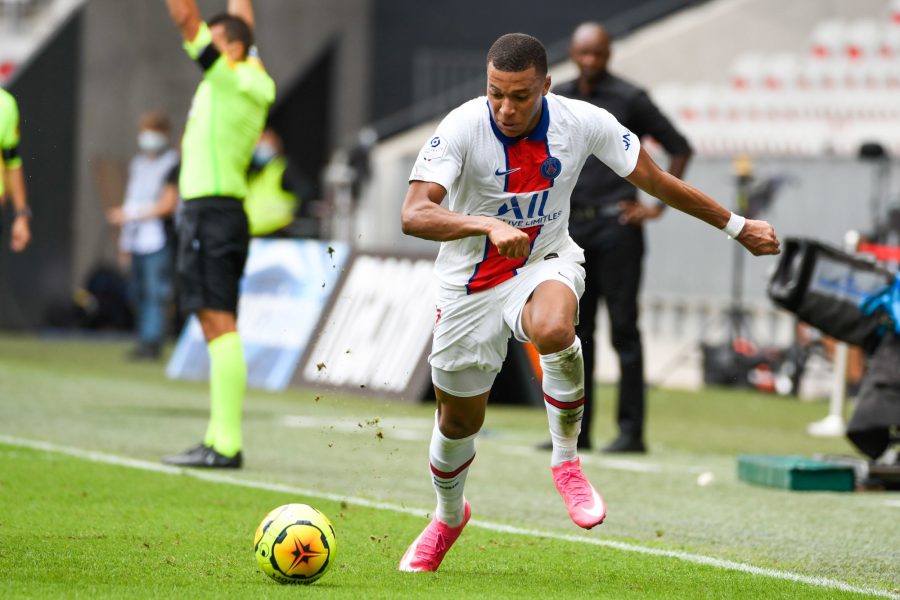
<point x="435" y="148"/>
<point x="551" y="168"/>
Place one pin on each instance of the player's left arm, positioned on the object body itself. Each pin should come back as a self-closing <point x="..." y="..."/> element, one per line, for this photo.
<point x="756" y="236"/>
<point x="648" y="119"/>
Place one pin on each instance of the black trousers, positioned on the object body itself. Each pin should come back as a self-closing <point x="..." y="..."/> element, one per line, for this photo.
<point x="613" y="263"/>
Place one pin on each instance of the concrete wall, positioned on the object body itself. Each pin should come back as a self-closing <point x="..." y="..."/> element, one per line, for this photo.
<point x="132" y="60"/>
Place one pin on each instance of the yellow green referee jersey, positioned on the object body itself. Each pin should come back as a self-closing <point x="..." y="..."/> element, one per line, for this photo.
<point x="9" y="136"/>
<point x="227" y="115"/>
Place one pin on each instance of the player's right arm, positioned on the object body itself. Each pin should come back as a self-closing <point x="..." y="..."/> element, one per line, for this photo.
<point x="423" y="216"/>
<point x="186" y="17"/>
<point x="439" y="165"/>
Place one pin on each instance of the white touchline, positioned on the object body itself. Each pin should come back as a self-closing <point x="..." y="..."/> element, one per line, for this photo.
<point x="216" y="477"/>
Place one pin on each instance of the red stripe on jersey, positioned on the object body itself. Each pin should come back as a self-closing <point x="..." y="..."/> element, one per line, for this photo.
<point x="563" y="405"/>
<point x="451" y="474"/>
<point x="494" y="268"/>
<point x="525" y="158"/>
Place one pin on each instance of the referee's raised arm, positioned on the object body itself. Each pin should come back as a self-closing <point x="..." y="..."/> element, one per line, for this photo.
<point x="244" y="10"/>
<point x="186" y="17"/>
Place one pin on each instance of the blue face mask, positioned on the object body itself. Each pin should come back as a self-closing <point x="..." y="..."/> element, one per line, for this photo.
<point x="263" y="155"/>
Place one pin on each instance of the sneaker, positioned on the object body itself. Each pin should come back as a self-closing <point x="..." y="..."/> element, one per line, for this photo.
<point x="584" y="504"/>
<point x="428" y="550"/>
<point x="206" y="457"/>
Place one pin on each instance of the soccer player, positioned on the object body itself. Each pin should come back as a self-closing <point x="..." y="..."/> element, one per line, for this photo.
<point x="12" y="176"/>
<point x="227" y="115"/>
<point x="508" y="266"/>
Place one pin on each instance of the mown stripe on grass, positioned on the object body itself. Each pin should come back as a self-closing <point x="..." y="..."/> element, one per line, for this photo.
<point x="218" y="477"/>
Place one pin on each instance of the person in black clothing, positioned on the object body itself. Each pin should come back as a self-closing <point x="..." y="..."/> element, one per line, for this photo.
<point x="607" y="221"/>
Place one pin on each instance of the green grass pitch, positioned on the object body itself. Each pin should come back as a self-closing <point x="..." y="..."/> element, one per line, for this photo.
<point x="74" y="527"/>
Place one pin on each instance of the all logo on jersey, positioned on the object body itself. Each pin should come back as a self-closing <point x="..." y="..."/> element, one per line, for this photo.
<point x="626" y="139"/>
<point x="535" y="207"/>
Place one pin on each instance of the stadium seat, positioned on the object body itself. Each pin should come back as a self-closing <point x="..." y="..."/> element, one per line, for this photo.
<point x="827" y="39"/>
<point x="846" y="92"/>
<point x="862" y="39"/>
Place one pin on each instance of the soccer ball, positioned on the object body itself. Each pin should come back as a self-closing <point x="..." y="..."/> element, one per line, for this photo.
<point x="295" y="543"/>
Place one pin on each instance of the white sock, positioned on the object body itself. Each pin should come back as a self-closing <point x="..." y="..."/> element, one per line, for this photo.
<point x="563" y="385"/>
<point x="450" y="460"/>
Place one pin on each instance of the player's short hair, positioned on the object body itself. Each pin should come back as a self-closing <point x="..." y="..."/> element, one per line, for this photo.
<point x="156" y="120"/>
<point x="515" y="52"/>
<point x="236" y="29"/>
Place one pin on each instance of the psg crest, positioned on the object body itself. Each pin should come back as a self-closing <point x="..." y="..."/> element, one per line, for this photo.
<point x="551" y="168"/>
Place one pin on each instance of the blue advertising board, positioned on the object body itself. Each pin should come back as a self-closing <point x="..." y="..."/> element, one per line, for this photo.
<point x="285" y="289"/>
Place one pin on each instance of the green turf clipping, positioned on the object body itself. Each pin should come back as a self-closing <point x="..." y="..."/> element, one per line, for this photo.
<point x="795" y="473"/>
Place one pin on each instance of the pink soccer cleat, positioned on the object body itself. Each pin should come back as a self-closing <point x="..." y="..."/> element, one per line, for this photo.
<point x="584" y="504"/>
<point x="428" y="550"/>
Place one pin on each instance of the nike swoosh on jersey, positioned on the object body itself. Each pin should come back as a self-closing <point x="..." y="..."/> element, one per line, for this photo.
<point x="500" y="173"/>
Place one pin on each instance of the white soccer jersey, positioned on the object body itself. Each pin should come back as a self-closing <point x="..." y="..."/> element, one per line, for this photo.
<point x="526" y="182"/>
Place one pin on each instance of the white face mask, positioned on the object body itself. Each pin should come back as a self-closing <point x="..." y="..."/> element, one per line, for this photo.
<point x="264" y="153"/>
<point x="152" y="141"/>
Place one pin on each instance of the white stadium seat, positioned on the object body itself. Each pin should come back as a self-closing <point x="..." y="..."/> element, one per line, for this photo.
<point x="844" y="93"/>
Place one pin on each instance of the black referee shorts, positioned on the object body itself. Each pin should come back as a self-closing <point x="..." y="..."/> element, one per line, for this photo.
<point x="213" y="239"/>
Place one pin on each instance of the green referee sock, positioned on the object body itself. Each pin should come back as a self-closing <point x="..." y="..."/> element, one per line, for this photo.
<point x="227" y="384"/>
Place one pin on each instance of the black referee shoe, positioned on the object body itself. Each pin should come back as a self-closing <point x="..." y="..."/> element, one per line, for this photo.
<point x="202" y="456"/>
<point x="625" y="445"/>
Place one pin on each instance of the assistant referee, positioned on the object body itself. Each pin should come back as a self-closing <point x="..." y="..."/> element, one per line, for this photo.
<point x="227" y="114"/>
<point x="12" y="176"/>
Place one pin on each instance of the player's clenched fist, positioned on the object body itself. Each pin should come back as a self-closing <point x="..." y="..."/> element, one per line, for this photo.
<point x="511" y="242"/>
<point x="759" y="238"/>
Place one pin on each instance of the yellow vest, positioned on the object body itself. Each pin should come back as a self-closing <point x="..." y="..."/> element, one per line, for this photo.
<point x="268" y="206"/>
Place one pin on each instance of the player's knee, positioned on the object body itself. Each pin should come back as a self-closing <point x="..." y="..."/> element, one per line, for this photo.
<point x="457" y="426"/>
<point x="553" y="336"/>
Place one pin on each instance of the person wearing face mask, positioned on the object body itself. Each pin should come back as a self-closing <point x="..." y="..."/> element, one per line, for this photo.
<point x="272" y="191"/>
<point x="143" y="247"/>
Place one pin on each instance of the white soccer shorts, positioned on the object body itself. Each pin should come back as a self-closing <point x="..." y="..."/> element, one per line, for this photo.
<point x="471" y="331"/>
